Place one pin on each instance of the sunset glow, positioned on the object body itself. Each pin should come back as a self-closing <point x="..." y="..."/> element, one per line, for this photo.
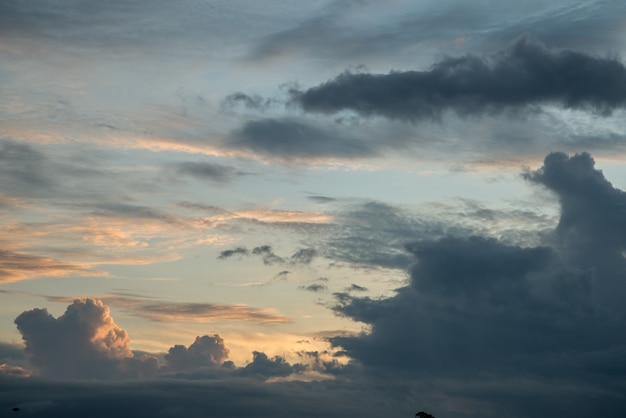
<point x="323" y="208"/>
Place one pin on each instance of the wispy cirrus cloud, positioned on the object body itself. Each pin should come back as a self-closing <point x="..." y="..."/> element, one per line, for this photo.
<point x="168" y="311"/>
<point x="207" y="312"/>
<point x="16" y="266"/>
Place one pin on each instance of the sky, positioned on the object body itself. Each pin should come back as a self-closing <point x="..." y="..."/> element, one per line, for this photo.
<point x="312" y="208"/>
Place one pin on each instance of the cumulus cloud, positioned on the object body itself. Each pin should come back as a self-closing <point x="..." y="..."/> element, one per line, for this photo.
<point x="479" y="305"/>
<point x="527" y="73"/>
<point x="591" y="233"/>
<point x="250" y="102"/>
<point x="84" y="342"/>
<point x="263" y="367"/>
<point x="205" y="351"/>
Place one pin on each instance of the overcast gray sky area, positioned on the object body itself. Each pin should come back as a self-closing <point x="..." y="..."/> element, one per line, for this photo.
<point x="313" y="208"/>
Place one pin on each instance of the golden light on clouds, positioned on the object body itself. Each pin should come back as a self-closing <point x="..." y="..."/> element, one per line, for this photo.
<point x="17" y="266"/>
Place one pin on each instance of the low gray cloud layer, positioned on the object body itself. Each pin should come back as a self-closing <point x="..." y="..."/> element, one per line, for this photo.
<point x="525" y="74"/>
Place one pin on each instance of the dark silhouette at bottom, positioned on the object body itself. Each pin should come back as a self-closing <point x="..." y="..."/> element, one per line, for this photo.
<point x="423" y="414"/>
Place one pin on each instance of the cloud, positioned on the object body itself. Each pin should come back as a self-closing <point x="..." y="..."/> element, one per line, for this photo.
<point x="356" y="288"/>
<point x="315" y="287"/>
<point x="293" y="139"/>
<point x="263" y="367"/>
<point x="171" y="398"/>
<point x="216" y="173"/>
<point x="251" y="102"/>
<point x="23" y="170"/>
<point x="269" y="257"/>
<point x="16" y="266"/>
<point x="322" y="199"/>
<point x="14" y="371"/>
<point x="373" y="234"/>
<point x="230" y="253"/>
<point x="84" y="342"/>
<point x="303" y="256"/>
<point x="267" y="254"/>
<point x="164" y="311"/>
<point x="525" y="74"/>
<point x="205" y="351"/>
<point x="206" y="312"/>
<point x="478" y="306"/>
<point x="591" y="232"/>
<point x="11" y="353"/>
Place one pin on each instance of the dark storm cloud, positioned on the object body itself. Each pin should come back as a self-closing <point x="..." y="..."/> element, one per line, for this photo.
<point x="207" y="171"/>
<point x="525" y="74"/>
<point x="288" y="138"/>
<point x="476" y="305"/>
<point x="591" y="232"/>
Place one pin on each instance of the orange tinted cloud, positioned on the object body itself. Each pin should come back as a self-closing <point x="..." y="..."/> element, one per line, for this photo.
<point x="166" y="311"/>
<point x="18" y="266"/>
<point x="207" y="312"/>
